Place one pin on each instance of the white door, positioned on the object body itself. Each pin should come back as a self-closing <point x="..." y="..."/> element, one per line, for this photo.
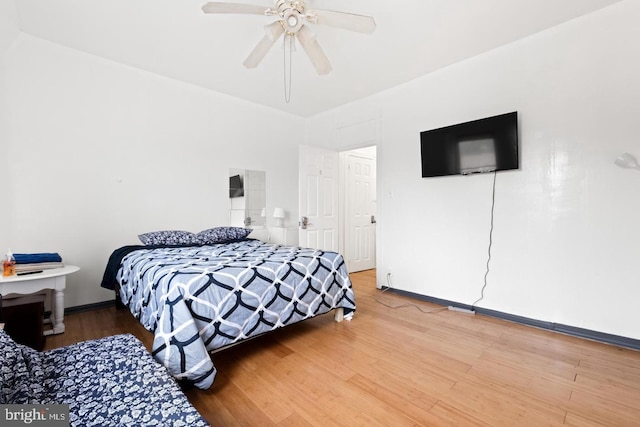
<point x="360" y="211"/>
<point x="318" y="196"/>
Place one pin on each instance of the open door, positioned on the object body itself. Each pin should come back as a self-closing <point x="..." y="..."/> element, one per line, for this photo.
<point x="360" y="212"/>
<point x="318" y="198"/>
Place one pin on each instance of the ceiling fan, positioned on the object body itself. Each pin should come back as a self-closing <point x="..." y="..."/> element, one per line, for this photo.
<point x="292" y="17"/>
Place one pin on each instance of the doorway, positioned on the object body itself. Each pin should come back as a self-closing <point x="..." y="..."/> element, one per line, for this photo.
<point x="337" y="203"/>
<point x="358" y="185"/>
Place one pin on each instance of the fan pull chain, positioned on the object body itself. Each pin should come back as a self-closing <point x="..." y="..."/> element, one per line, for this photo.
<point x="287" y="91"/>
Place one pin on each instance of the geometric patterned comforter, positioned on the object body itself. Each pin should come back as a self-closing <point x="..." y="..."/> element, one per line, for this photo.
<point x="197" y="299"/>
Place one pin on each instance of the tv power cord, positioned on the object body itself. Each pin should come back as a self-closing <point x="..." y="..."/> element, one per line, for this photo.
<point x="493" y="205"/>
<point x="416" y="306"/>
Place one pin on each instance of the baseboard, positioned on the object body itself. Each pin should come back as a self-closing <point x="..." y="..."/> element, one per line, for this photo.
<point x="617" y="340"/>
<point x="89" y="307"/>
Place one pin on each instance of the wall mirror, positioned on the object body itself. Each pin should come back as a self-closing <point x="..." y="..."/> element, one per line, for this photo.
<point x="247" y="197"/>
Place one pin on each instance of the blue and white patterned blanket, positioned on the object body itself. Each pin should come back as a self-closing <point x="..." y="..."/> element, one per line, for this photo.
<point x="200" y="298"/>
<point x="112" y="381"/>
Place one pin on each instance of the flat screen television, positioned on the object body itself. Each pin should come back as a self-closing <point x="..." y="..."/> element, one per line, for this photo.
<point x="484" y="145"/>
<point x="236" y="187"/>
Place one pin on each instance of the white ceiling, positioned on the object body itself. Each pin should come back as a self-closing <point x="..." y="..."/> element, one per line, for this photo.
<point x="174" y="38"/>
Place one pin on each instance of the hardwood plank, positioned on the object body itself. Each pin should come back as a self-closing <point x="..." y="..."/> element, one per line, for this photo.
<point x="341" y="361"/>
<point x="542" y="344"/>
<point x="576" y="420"/>
<point x="414" y="405"/>
<point x="363" y="408"/>
<point x="452" y="415"/>
<point x="211" y="407"/>
<point x="530" y="382"/>
<point x="243" y="410"/>
<point x="495" y="405"/>
<point x="266" y="395"/>
<point x="610" y="370"/>
<point x="412" y="388"/>
<point x="532" y="361"/>
<point x="619" y="391"/>
<point x="591" y="405"/>
<point x="294" y="420"/>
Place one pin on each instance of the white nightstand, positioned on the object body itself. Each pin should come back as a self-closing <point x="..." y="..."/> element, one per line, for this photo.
<point x="284" y="235"/>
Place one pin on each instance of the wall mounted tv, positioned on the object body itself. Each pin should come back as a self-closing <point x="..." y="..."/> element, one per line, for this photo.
<point x="485" y="145"/>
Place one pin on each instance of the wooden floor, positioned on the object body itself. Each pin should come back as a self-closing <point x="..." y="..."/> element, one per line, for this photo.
<point x="397" y="367"/>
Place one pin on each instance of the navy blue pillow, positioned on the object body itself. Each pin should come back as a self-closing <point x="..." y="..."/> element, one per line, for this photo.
<point x="222" y="234"/>
<point x="169" y="237"/>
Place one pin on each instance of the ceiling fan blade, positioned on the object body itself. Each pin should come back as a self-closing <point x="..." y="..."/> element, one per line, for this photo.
<point x="344" y="20"/>
<point x="316" y="55"/>
<point x="272" y="34"/>
<point x="220" y="7"/>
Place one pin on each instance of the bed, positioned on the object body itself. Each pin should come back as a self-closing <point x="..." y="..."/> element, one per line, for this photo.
<point x="197" y="298"/>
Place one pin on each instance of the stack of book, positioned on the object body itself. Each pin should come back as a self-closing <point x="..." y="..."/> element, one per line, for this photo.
<point x="36" y="263"/>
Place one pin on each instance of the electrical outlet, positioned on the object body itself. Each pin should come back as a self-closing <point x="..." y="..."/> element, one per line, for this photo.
<point x="461" y="310"/>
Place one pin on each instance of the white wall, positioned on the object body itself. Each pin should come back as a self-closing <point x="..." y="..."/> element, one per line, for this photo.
<point x="566" y="224"/>
<point x="8" y="23"/>
<point x="100" y="153"/>
<point x="8" y="33"/>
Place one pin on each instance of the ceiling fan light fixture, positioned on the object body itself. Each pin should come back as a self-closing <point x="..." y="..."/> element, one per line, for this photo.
<point x="292" y="21"/>
<point x="292" y="17"/>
